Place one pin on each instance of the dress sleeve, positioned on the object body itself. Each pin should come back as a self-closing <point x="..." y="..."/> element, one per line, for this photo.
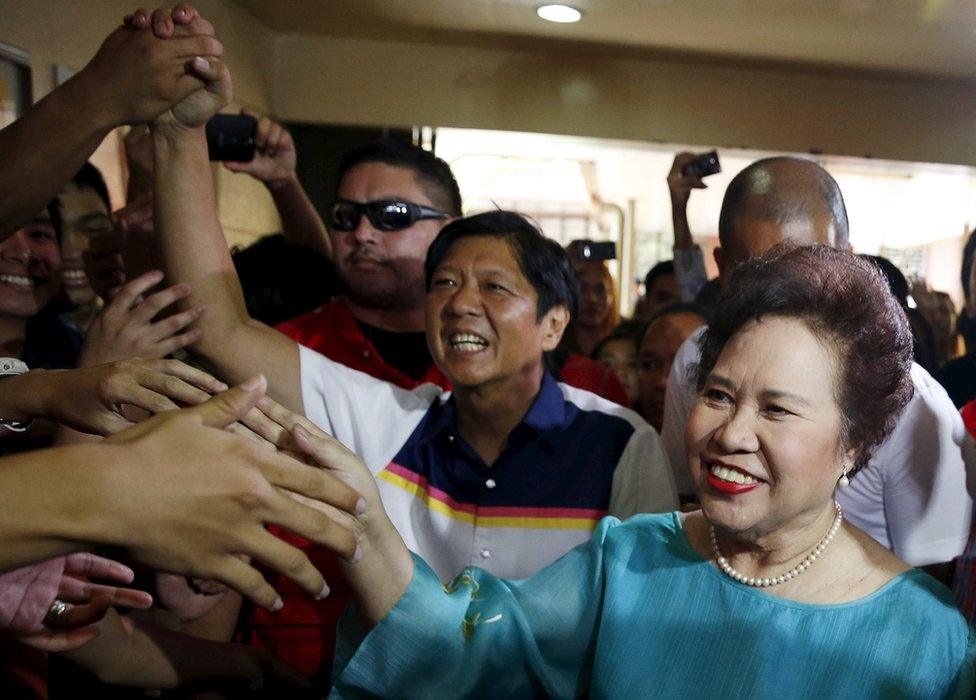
<point x="480" y="635"/>
<point x="964" y="684"/>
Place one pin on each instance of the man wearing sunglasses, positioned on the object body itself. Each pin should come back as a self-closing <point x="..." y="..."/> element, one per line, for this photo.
<point x="392" y="200"/>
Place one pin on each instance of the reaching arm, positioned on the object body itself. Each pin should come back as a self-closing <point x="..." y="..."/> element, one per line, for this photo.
<point x="274" y="164"/>
<point x="137" y="490"/>
<point x="689" y="265"/>
<point x="146" y="656"/>
<point x="193" y="249"/>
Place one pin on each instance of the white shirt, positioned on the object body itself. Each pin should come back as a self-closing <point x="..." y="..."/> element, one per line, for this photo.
<point x="585" y="457"/>
<point x="911" y="497"/>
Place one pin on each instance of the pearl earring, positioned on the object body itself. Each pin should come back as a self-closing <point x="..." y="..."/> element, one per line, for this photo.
<point x="843" y="481"/>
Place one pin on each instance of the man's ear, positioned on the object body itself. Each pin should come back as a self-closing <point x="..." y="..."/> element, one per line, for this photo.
<point x="554" y="325"/>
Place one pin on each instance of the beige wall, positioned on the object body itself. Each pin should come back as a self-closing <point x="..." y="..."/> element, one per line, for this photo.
<point x="623" y="96"/>
<point x="68" y="33"/>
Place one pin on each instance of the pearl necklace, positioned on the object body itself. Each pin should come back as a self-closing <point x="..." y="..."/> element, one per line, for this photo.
<point x="724" y="565"/>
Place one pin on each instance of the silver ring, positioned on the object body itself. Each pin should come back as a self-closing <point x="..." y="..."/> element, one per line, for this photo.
<point x="55" y="614"/>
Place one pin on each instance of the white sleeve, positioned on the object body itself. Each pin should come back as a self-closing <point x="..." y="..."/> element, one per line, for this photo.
<point x="678" y="400"/>
<point x="689" y="270"/>
<point x="642" y="481"/>
<point x="927" y="508"/>
<point x="371" y="417"/>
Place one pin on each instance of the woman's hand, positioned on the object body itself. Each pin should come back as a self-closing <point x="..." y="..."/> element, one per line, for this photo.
<point x="126" y="327"/>
<point x="27" y="594"/>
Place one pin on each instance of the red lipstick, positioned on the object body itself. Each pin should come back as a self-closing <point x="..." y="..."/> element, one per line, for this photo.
<point x="728" y="486"/>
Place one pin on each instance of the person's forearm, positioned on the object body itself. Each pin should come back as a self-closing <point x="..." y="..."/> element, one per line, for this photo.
<point x="300" y="222"/>
<point x="27" y="396"/>
<point x="56" y="501"/>
<point x="193" y="250"/>
<point x="45" y="148"/>
<point x="383" y="571"/>
<point x="682" y="234"/>
<point x="191" y="242"/>
<point x="152" y="657"/>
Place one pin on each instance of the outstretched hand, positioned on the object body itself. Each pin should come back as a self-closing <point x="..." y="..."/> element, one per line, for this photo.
<point x="128" y="328"/>
<point x="26" y="595"/>
<point x="92" y="399"/>
<point x="194" y="517"/>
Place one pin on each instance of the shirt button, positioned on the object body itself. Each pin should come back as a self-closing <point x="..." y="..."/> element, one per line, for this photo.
<point x="490" y="484"/>
<point x="365" y="353"/>
<point x="486" y="554"/>
<point x="450" y="438"/>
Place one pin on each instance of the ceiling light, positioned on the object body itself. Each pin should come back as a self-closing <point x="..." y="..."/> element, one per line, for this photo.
<point x="564" y="14"/>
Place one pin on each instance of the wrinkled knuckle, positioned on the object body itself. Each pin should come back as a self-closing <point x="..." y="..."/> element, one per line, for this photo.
<point x="294" y="563"/>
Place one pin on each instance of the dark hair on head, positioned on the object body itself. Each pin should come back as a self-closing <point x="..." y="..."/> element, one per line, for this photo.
<point x="762" y="190"/>
<point x="433" y="173"/>
<point x="845" y="302"/>
<point x="896" y="280"/>
<point x="628" y="330"/>
<point x="678" y="307"/>
<point x="968" y="251"/>
<point x="665" y="267"/>
<point x="543" y="261"/>
<point x="90" y="177"/>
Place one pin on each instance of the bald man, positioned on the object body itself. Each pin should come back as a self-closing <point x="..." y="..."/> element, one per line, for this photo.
<point x="912" y="496"/>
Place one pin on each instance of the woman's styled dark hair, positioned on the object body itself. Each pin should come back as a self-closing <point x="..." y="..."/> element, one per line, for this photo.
<point x="543" y="262"/>
<point x="844" y="301"/>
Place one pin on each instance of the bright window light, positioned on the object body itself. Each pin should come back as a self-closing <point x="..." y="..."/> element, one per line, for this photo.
<point x="564" y="14"/>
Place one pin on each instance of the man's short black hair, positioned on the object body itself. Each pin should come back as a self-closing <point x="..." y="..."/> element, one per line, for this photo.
<point x="433" y="173"/>
<point x="755" y="190"/>
<point x="678" y="307"/>
<point x="896" y="279"/>
<point x="968" y="251"/>
<point x="543" y="261"/>
<point x="90" y="177"/>
<point x="665" y="267"/>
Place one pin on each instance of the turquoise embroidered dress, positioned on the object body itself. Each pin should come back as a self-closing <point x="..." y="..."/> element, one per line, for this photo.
<point x="637" y="613"/>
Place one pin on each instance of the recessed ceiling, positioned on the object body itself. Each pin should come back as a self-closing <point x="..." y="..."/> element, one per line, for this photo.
<point x="933" y="37"/>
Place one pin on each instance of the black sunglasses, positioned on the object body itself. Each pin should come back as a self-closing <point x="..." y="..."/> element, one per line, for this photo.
<point x="384" y="214"/>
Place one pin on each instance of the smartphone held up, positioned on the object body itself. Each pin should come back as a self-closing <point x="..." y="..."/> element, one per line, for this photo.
<point x="231" y="137"/>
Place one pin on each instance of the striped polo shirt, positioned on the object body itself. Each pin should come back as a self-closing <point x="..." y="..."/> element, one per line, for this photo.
<point x="574" y="458"/>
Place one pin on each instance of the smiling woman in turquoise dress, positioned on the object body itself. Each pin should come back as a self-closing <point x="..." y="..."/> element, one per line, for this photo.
<point x="764" y="592"/>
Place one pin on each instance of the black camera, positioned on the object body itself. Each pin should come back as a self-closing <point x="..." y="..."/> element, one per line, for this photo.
<point x="231" y="137"/>
<point x="704" y="165"/>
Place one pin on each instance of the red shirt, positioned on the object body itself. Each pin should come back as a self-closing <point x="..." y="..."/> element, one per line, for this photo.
<point x="303" y="633"/>
<point x="969" y="417"/>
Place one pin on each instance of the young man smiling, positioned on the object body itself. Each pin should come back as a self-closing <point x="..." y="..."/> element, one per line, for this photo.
<point x="509" y="471"/>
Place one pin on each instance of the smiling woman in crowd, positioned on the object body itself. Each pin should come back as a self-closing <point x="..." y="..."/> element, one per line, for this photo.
<point x="765" y="589"/>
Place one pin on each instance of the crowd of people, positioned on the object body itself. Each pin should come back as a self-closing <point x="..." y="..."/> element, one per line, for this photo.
<point x="421" y="453"/>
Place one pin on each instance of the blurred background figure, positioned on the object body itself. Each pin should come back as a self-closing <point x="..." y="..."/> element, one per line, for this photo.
<point x="598" y="311"/>
<point x="657" y="346"/>
<point x="618" y="351"/>
<point x="660" y="289"/>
